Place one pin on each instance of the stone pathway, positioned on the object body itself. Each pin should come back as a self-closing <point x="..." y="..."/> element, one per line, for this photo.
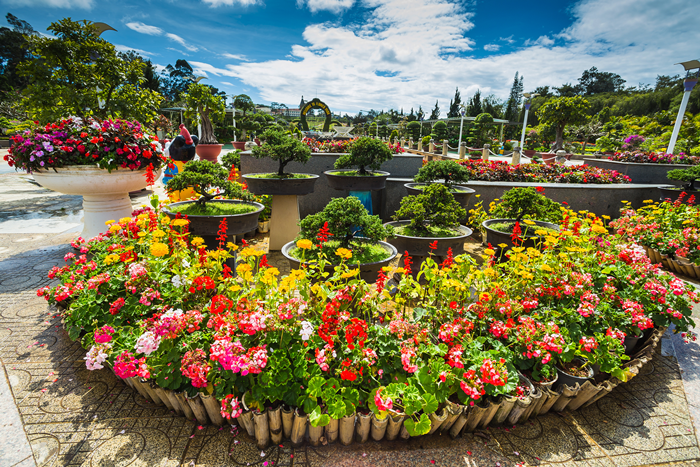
<point x="54" y="412"/>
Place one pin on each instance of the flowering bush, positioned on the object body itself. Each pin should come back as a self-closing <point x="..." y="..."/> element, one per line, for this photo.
<point x="332" y="344"/>
<point x="655" y="158"/>
<point x="498" y="171"/>
<point x="109" y="144"/>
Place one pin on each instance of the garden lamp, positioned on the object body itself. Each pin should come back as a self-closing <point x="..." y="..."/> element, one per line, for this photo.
<point x="691" y="79"/>
<point x="528" y="103"/>
<point x="462" y="112"/>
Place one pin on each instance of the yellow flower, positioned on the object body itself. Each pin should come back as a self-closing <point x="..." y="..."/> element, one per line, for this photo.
<point x="244" y="270"/>
<point x="545" y="267"/>
<point x="400" y="271"/>
<point x="158" y="233"/>
<point x="269" y="276"/>
<point x="197" y="241"/>
<point x="518" y="249"/>
<point x="110" y="259"/>
<point x="351" y="273"/>
<point x="305" y="244"/>
<point x="180" y="222"/>
<point x="599" y="229"/>
<point x="540" y="232"/>
<point x="528" y="222"/>
<point x="489" y="252"/>
<point x="566" y="233"/>
<point x="344" y="253"/>
<point x="231" y="246"/>
<point x="503" y="245"/>
<point x="142" y="234"/>
<point x="115" y="228"/>
<point x="143" y="215"/>
<point x="647" y="201"/>
<point x="109" y="222"/>
<point x="550" y="239"/>
<point x="125" y="220"/>
<point x="159" y="249"/>
<point x="250" y="251"/>
<point x="165" y="220"/>
<point x="235" y="288"/>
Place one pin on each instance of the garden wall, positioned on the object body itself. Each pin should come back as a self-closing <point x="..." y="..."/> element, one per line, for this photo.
<point x="403" y="166"/>
<point x="639" y="173"/>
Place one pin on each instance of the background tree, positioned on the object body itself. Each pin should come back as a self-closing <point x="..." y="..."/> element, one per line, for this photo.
<point x="420" y="114"/>
<point x="204" y="106"/>
<point x="13" y="51"/>
<point x="439" y="132"/>
<point x="475" y="107"/>
<point x="481" y="130"/>
<point x="175" y="79"/>
<point x="245" y="122"/>
<point x="512" y="111"/>
<point x="454" y="105"/>
<point x="595" y="82"/>
<point x="493" y="106"/>
<point x="75" y="72"/>
<point x="435" y="114"/>
<point x="413" y="130"/>
<point x="562" y="111"/>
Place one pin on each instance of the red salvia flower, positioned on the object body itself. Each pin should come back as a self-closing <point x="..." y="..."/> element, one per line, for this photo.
<point x="407" y="263"/>
<point x="150" y="176"/>
<point x="222" y="233"/>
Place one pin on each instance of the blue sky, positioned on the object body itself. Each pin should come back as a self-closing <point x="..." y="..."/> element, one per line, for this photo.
<point x="362" y="54"/>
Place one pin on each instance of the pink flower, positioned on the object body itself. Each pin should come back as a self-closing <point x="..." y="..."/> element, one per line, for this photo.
<point x="147" y="343"/>
<point x="104" y="334"/>
<point x="381" y="404"/>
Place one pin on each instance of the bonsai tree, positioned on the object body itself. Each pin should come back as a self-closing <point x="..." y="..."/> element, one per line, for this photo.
<point x="434" y="209"/>
<point x="202" y="105"/>
<point x="526" y="202"/>
<point x="562" y="111"/>
<point x="690" y="176"/>
<point x="347" y="222"/>
<point x="439" y="132"/>
<point x="245" y="122"/>
<point x="481" y="130"/>
<point x="365" y="153"/>
<point x="231" y="160"/>
<point x="280" y="147"/>
<point x="449" y="171"/>
<point x="208" y="180"/>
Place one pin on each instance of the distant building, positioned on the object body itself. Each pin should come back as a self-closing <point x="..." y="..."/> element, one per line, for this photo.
<point x="292" y="112"/>
<point x="302" y="103"/>
<point x="263" y="109"/>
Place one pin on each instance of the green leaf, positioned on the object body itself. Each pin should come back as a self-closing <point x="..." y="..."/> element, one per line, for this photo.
<point x="418" y="314"/>
<point x="317" y="418"/>
<point x="309" y="405"/>
<point x="337" y="408"/>
<point x="420" y="428"/>
<point x="351" y="395"/>
<point x="430" y="403"/>
<point x="315" y="386"/>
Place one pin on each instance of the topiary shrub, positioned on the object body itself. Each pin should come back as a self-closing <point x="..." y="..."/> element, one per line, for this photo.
<point x="208" y="180"/>
<point x="280" y="147"/>
<point x="526" y="203"/>
<point x="690" y="176"/>
<point x="434" y="209"/>
<point x="365" y="153"/>
<point x="449" y="171"/>
<point x="439" y="132"/>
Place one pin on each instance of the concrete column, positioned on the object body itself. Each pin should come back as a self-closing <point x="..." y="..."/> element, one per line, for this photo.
<point x="403" y="142"/>
<point x="462" y="149"/>
<point x="516" y="156"/>
<point x="561" y="156"/>
<point x="420" y="144"/>
<point x="410" y="142"/>
<point x="444" y="147"/>
<point x="284" y="222"/>
<point x="485" y="152"/>
<point x="431" y="146"/>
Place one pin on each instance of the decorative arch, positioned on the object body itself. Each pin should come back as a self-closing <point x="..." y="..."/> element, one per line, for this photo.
<point x="315" y="104"/>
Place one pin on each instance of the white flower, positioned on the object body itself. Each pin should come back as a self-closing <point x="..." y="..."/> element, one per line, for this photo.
<point x="185" y="263"/>
<point x="96" y="356"/>
<point x="172" y="313"/>
<point x="147" y="343"/>
<point x="306" y="330"/>
<point x="177" y="282"/>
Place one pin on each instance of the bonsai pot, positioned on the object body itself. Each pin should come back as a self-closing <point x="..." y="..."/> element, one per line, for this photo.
<point x="461" y="193"/>
<point x="495" y="237"/>
<point x="368" y="271"/>
<point x="264" y="226"/>
<point x="337" y="180"/>
<point x="570" y="380"/>
<point x="209" y="152"/>
<point x="529" y="152"/>
<point x="280" y="186"/>
<point x="238" y="145"/>
<point x="207" y="227"/>
<point x="420" y="246"/>
<point x="105" y="195"/>
<point x="674" y="193"/>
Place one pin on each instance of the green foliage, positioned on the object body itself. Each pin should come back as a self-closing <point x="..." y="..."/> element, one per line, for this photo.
<point x="435" y="207"/>
<point x="280" y="147"/>
<point x="481" y="130"/>
<point x="413" y="129"/>
<point x="75" y="72"/>
<point x="562" y="111"/>
<point x="527" y="203"/>
<point x="394" y="136"/>
<point x="439" y="132"/>
<point x="365" y="153"/>
<point x="203" y="105"/>
<point x="347" y="218"/>
<point x="245" y="122"/>
<point x="690" y="175"/>
<point x="203" y="177"/>
<point x="426" y="140"/>
<point x="449" y="171"/>
<point x="231" y="159"/>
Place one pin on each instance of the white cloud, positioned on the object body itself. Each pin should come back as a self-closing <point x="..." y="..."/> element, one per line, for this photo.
<point x="217" y="3"/>
<point x="508" y="39"/>
<point x="334" y="6"/>
<point x="227" y="83"/>
<point x="126" y="48"/>
<point x="242" y="58"/>
<point x="82" y="4"/>
<point x="145" y="28"/>
<point x="178" y="51"/>
<point x="424" y="47"/>
<point x="492" y="47"/>
<point x="181" y="41"/>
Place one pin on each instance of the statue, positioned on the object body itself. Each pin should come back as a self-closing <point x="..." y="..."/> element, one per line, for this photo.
<point x="181" y="150"/>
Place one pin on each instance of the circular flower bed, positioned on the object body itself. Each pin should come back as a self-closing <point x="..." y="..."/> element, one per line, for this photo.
<point x="655" y="158"/>
<point x="147" y="300"/>
<point x="500" y="171"/>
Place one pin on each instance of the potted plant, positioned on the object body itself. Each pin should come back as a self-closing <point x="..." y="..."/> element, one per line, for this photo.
<point x="690" y="176"/>
<point x="203" y="106"/>
<point x="433" y="227"/>
<point x="343" y="224"/>
<point x="515" y="217"/>
<point x="239" y="214"/>
<point x="284" y="149"/>
<point x="100" y="160"/>
<point x="365" y="153"/>
<point x="450" y="172"/>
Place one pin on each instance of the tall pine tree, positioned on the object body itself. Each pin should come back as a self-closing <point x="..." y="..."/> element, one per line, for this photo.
<point x="475" y="107"/>
<point x="454" y="105"/>
<point x="515" y="98"/>
<point x="435" y="114"/>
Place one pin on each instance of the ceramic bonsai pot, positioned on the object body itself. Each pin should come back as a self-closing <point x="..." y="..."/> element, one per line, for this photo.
<point x="209" y="152"/>
<point x="105" y="195"/>
<point x="337" y="180"/>
<point x="280" y="186"/>
<point x="461" y="193"/>
<point x="240" y="145"/>
<point x="495" y="237"/>
<point x="419" y="246"/>
<point x="368" y="271"/>
<point x="208" y="226"/>
<point x="570" y="380"/>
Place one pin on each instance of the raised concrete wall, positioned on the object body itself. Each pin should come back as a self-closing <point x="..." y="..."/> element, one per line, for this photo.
<point x="639" y="173"/>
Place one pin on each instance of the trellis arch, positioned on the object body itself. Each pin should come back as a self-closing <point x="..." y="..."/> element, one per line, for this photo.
<point x="316" y="104"/>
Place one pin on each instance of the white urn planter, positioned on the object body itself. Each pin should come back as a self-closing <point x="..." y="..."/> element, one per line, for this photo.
<point x="105" y="195"/>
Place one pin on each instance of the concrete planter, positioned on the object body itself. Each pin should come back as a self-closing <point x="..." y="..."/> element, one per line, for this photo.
<point x="461" y="193"/>
<point x="339" y="181"/>
<point x="105" y="195"/>
<point x="280" y="186"/>
<point x="639" y="173"/>
<point x="419" y="246"/>
<point x="674" y="193"/>
<point x="368" y="271"/>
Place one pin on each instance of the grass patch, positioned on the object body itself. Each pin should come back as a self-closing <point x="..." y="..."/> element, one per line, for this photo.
<point x="354" y="173"/>
<point x="213" y="208"/>
<point x="437" y="232"/>
<point x="275" y="175"/>
<point x="361" y="253"/>
<point x="507" y="227"/>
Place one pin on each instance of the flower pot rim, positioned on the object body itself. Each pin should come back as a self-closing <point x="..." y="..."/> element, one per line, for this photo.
<point x="259" y="209"/>
<point x="279" y="179"/>
<point x="462" y="228"/>
<point x="588" y="367"/>
<point x="463" y="190"/>
<point x="379" y="173"/>
<point x="287" y="247"/>
<point x="66" y="169"/>
<point x="540" y="223"/>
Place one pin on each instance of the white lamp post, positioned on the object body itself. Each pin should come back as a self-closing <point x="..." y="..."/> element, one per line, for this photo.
<point x="528" y="103"/>
<point x="691" y="79"/>
<point x="462" y="112"/>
